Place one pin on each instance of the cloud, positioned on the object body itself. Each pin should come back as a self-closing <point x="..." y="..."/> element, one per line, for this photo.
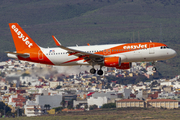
<point x="72" y="70"/>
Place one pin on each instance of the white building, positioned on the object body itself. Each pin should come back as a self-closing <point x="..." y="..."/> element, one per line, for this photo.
<point x="176" y="85"/>
<point x="13" y="104"/>
<point x="32" y="109"/>
<point x="2" y="84"/>
<point x="126" y="93"/>
<point x="54" y="84"/>
<point x="139" y="87"/>
<point x="43" y="91"/>
<point x="99" y="101"/>
<point x="167" y="83"/>
<point x="52" y="100"/>
<point x="29" y="79"/>
<point x="164" y="95"/>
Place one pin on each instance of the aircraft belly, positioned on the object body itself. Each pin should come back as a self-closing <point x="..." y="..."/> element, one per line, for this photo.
<point x="144" y="55"/>
<point x="134" y="56"/>
<point x="59" y="60"/>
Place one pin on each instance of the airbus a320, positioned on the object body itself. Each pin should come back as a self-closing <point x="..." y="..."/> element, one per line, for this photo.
<point x="119" y="56"/>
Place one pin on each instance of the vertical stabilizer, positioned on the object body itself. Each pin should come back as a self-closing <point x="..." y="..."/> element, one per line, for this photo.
<point x="22" y="41"/>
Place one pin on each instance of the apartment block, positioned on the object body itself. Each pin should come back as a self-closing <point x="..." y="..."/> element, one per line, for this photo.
<point x="129" y="103"/>
<point x="164" y="103"/>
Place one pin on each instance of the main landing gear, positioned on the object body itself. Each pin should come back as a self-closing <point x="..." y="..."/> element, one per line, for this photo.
<point x="100" y="72"/>
<point x="93" y="71"/>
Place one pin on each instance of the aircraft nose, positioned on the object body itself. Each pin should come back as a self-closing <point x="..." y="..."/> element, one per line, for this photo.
<point x="173" y="53"/>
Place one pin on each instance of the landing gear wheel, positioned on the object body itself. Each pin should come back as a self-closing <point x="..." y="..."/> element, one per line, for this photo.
<point x="154" y="68"/>
<point x="92" y="71"/>
<point x="99" y="72"/>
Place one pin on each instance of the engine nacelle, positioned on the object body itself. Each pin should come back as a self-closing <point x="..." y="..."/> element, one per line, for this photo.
<point x="125" y="66"/>
<point x="112" y="61"/>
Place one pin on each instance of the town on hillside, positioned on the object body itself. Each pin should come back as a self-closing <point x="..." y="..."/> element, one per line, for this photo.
<point x="32" y="89"/>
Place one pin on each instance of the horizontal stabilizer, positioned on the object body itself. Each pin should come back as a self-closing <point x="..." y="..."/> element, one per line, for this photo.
<point x="24" y="55"/>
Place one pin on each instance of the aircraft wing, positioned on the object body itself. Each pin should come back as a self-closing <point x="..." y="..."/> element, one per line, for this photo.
<point x="24" y="55"/>
<point x="77" y="53"/>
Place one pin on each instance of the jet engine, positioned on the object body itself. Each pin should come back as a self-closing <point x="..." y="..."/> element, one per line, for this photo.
<point x="126" y="65"/>
<point x="112" y="61"/>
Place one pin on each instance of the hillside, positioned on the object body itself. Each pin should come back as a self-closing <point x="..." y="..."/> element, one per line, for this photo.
<point x="95" y="22"/>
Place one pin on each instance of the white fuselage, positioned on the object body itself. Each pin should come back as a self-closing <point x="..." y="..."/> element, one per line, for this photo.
<point x="59" y="56"/>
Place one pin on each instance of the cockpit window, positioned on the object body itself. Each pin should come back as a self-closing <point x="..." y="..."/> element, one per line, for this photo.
<point x="164" y="47"/>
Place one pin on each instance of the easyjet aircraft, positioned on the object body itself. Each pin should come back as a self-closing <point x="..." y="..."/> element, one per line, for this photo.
<point x="119" y="56"/>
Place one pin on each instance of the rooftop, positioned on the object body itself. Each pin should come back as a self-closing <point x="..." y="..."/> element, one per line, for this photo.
<point x="130" y="100"/>
<point x="162" y="100"/>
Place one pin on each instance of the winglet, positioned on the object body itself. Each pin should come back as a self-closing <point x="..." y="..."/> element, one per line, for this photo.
<point x="56" y="41"/>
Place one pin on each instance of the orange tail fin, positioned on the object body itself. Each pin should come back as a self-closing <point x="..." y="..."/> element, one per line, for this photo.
<point x="22" y="41"/>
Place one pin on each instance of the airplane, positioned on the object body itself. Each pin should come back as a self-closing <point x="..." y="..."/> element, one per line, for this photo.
<point x="119" y="56"/>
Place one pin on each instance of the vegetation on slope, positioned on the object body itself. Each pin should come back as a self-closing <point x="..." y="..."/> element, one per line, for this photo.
<point x="111" y="114"/>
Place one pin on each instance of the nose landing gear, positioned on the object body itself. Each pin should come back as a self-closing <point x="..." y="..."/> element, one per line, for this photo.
<point x="154" y="68"/>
